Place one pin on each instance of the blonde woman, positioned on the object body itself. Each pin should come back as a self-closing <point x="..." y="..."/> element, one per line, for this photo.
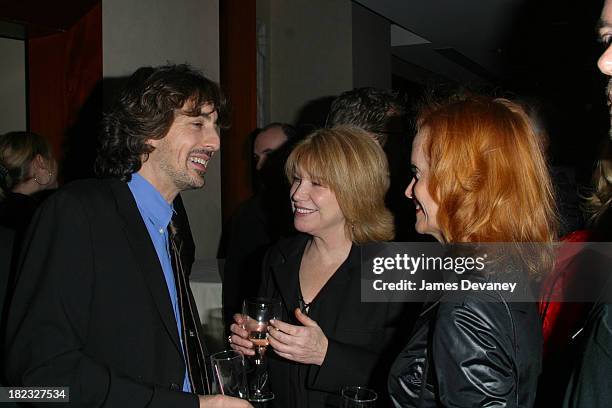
<point x="327" y="338"/>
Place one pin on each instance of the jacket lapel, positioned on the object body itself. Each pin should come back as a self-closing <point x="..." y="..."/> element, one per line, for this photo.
<point x="286" y="274"/>
<point x="145" y="256"/>
<point x="333" y="296"/>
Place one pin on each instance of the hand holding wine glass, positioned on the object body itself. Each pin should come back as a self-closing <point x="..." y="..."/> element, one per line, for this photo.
<point x="239" y="340"/>
<point x="305" y="344"/>
<point x="256" y="315"/>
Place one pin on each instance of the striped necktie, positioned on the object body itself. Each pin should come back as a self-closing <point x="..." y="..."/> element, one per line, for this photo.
<point x="194" y="349"/>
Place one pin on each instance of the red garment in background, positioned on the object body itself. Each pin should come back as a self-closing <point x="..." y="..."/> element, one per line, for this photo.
<point x="561" y="320"/>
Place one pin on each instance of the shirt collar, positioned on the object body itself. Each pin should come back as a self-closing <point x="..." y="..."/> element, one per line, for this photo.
<point x="150" y="202"/>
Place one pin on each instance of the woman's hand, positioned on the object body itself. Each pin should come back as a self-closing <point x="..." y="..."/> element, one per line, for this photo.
<point x="222" y="401"/>
<point x="304" y="344"/>
<point x="239" y="340"/>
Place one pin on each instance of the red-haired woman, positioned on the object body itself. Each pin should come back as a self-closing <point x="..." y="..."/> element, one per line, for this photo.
<point x="479" y="177"/>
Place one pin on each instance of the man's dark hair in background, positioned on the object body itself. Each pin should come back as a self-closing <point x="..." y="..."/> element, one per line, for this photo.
<point x="382" y="113"/>
<point x="377" y="111"/>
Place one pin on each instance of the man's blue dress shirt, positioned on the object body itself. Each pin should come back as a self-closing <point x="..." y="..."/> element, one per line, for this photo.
<point x="156" y="214"/>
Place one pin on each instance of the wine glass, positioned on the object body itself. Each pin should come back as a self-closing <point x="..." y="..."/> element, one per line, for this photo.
<point x="358" y="397"/>
<point x="229" y="374"/>
<point x="257" y="313"/>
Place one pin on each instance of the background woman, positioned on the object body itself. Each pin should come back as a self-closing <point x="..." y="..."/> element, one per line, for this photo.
<point x="327" y="337"/>
<point x="479" y="176"/>
<point x="27" y="168"/>
<point x="578" y="335"/>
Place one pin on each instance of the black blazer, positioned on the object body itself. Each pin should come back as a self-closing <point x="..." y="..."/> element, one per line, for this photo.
<point x="91" y="308"/>
<point x="364" y="338"/>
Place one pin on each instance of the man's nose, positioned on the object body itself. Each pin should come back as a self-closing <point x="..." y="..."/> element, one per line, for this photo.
<point x="605" y="62"/>
<point x="212" y="140"/>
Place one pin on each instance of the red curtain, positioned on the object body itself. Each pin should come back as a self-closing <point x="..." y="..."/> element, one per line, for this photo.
<point x="238" y="59"/>
<point x="63" y="69"/>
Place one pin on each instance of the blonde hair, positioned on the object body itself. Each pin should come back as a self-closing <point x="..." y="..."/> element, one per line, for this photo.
<point x="17" y="151"/>
<point x="348" y="161"/>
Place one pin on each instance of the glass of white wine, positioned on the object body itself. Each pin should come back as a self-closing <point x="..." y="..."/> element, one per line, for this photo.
<point x="257" y="314"/>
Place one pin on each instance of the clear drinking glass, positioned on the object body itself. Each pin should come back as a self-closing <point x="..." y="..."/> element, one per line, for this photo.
<point x="229" y="374"/>
<point x="257" y="313"/>
<point x="358" y="397"/>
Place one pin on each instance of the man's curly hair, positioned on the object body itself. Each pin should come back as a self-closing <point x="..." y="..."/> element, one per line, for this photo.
<point x="145" y="109"/>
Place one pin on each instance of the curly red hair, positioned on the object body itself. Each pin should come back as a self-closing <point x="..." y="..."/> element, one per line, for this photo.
<point x="488" y="172"/>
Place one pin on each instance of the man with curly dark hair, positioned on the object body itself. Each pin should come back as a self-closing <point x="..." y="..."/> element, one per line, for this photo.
<point x="102" y="304"/>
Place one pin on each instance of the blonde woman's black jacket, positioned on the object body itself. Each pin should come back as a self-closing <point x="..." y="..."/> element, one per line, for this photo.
<point x="364" y="338"/>
<point x="470" y="350"/>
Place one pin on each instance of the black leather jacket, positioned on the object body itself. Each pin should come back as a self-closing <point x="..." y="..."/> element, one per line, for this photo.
<point x="470" y="352"/>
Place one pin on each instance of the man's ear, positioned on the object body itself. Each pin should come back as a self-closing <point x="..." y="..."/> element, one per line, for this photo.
<point x="151" y="143"/>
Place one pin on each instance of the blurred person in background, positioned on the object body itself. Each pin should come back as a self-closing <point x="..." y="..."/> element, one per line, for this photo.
<point x="27" y="172"/>
<point x="269" y="139"/>
<point x="261" y="220"/>
<point x="574" y="297"/>
<point x="590" y="379"/>
<point x="588" y="326"/>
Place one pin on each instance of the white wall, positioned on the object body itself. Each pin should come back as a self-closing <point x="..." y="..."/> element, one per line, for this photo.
<point x="153" y="32"/>
<point x="12" y="86"/>
<point x="309" y="52"/>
